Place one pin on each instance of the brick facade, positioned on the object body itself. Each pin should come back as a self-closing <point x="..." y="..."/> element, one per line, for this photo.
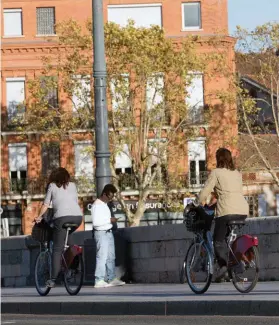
<point x="21" y="58"/>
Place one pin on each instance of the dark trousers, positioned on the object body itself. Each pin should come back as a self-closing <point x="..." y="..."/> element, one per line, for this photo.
<point x="59" y="237"/>
<point x="221" y="231"/>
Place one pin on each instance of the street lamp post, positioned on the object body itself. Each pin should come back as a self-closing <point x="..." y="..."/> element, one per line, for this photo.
<point x="102" y="154"/>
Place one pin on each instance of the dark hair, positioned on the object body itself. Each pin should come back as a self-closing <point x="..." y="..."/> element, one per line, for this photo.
<point x="109" y="188"/>
<point x="224" y="159"/>
<point x="60" y="177"/>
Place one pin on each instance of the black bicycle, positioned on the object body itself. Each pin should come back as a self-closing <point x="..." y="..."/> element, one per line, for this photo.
<point x="72" y="268"/>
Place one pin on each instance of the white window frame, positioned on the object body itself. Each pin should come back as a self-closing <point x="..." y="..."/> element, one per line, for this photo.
<point x="191" y="28"/>
<point x="138" y="6"/>
<point x="159" y="98"/>
<point x="198" y="183"/>
<point x="125" y="154"/>
<point x="18" y="171"/>
<point x="117" y="104"/>
<point x="10" y="80"/>
<point x="12" y="10"/>
<point x="80" y="90"/>
<point x="86" y="143"/>
<point x="197" y="108"/>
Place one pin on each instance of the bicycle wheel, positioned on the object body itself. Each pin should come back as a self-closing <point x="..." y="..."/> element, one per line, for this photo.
<point x="73" y="276"/>
<point x="42" y="272"/>
<point x="199" y="267"/>
<point x="245" y="275"/>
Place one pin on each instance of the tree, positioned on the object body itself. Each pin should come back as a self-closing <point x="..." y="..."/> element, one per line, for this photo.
<point x="149" y="119"/>
<point x="259" y="109"/>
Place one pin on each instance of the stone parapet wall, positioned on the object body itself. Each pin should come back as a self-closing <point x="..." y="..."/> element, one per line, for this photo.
<point x="149" y="254"/>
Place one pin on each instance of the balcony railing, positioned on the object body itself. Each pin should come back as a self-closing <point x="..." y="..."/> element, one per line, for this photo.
<point x="37" y="186"/>
<point x="85" y="185"/>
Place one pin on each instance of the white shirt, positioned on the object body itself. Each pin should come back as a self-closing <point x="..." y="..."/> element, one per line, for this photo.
<point x="100" y="216"/>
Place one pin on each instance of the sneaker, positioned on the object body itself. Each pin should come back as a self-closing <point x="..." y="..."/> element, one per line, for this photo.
<point x="116" y="282"/>
<point x="50" y="283"/>
<point x="101" y="284"/>
<point x="222" y="272"/>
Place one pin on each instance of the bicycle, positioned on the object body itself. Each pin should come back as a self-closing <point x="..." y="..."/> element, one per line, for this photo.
<point x="198" y="265"/>
<point x="72" y="268"/>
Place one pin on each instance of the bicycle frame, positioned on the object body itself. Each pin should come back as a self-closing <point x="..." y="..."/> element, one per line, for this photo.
<point x="207" y="242"/>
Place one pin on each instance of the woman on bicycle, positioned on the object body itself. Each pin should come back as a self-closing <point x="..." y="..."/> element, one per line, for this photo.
<point x="64" y="198"/>
<point x="226" y="183"/>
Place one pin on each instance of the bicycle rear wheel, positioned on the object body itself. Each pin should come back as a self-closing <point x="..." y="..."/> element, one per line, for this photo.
<point x="42" y="272"/>
<point x="73" y="275"/>
<point x="246" y="274"/>
<point x="182" y="276"/>
<point x="199" y="267"/>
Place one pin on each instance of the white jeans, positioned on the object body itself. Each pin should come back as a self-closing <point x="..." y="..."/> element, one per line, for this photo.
<point x="105" y="255"/>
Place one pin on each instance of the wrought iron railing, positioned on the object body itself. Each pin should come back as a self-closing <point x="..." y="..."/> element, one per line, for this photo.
<point x="86" y="185"/>
<point x="38" y="186"/>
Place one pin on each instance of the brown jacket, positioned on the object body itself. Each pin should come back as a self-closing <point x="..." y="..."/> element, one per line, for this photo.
<point x="227" y="185"/>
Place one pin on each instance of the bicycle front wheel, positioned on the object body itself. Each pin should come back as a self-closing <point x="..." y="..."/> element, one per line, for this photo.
<point x="42" y="272"/>
<point x="199" y="267"/>
<point x="245" y="275"/>
<point x="73" y="275"/>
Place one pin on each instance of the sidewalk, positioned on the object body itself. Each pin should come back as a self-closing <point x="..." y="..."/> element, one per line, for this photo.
<point x="145" y="299"/>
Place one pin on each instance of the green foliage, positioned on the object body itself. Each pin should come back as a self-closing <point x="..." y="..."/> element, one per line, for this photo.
<point x="147" y="75"/>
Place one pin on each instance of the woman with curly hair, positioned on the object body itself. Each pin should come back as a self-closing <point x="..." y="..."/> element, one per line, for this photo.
<point x="64" y="198"/>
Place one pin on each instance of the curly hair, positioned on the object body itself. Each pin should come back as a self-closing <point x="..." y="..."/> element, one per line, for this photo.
<point x="60" y="177"/>
<point x="224" y="159"/>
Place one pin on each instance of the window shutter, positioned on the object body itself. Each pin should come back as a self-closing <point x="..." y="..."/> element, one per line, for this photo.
<point x="52" y="95"/>
<point x="83" y="161"/>
<point x="142" y="15"/>
<point x="122" y="159"/>
<point x="12" y="22"/>
<point x="50" y="157"/>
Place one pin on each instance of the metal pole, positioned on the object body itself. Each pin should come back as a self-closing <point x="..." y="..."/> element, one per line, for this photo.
<point x="102" y="154"/>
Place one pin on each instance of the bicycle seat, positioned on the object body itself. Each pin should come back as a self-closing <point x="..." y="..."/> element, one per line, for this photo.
<point x="236" y="223"/>
<point x="70" y="225"/>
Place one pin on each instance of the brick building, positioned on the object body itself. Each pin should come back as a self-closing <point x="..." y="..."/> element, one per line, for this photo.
<point x="28" y="32"/>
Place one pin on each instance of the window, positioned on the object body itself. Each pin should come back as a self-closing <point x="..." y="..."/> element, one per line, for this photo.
<point x="45" y="21"/>
<point x="253" y="203"/>
<point x="195" y="97"/>
<point x="49" y="84"/>
<point x="142" y="15"/>
<point x="83" y="160"/>
<point x="18" y="166"/>
<point x="120" y="92"/>
<point x="123" y="162"/>
<point x="197" y="162"/>
<point x="12" y="22"/>
<point x="154" y="92"/>
<point x="81" y="95"/>
<point x="50" y="157"/>
<point x="191" y="15"/>
<point x="15" y="97"/>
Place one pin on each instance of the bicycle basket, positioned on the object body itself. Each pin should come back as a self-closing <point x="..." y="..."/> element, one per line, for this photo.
<point x="193" y="221"/>
<point x="41" y="232"/>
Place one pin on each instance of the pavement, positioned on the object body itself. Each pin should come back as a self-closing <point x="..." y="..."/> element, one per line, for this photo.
<point x="145" y="299"/>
